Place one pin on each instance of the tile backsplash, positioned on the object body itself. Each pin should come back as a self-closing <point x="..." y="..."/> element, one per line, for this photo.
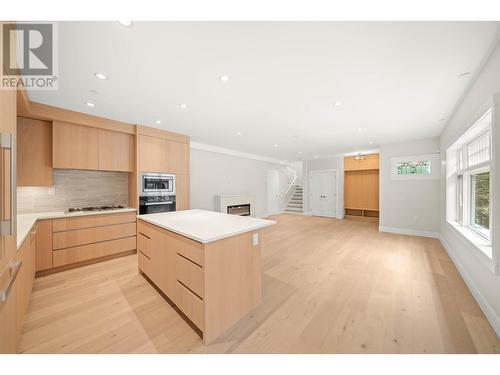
<point x="75" y="188"/>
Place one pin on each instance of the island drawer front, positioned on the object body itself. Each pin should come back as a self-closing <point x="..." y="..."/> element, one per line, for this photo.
<point x="72" y="223"/>
<point x="190" y="274"/>
<point x="92" y="235"/>
<point x="148" y="230"/>
<point x="189" y="249"/>
<point x="144" y="263"/>
<point x="144" y="244"/>
<point x="92" y="251"/>
<point x="190" y="305"/>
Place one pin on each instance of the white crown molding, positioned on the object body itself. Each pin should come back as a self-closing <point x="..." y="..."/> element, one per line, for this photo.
<point x="410" y="232"/>
<point x="227" y="151"/>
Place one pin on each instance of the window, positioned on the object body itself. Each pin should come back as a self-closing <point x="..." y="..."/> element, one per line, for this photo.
<point x="468" y="179"/>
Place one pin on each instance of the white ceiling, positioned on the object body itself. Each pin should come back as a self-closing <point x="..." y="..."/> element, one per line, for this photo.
<point x="395" y="80"/>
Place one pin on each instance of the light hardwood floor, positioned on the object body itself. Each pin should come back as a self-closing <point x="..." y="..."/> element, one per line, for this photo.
<point x="329" y="286"/>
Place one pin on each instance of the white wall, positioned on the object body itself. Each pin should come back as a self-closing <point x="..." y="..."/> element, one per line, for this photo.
<point x="476" y="271"/>
<point x="336" y="163"/>
<point x="408" y="206"/>
<point x="213" y="173"/>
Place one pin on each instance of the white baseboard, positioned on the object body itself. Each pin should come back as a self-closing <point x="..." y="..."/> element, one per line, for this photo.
<point x="410" y="232"/>
<point x="488" y="311"/>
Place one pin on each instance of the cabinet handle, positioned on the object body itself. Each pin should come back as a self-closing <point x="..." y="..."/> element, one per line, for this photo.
<point x="14" y="268"/>
<point x="8" y="143"/>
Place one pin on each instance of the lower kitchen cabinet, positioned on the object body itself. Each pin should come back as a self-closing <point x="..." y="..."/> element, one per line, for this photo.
<point x="20" y="276"/>
<point x="86" y="238"/>
<point x="44" y="245"/>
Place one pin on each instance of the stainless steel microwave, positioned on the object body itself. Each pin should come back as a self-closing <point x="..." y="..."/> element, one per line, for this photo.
<point x="157" y="184"/>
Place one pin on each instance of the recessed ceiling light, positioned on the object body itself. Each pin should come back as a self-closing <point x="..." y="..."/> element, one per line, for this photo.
<point x="183" y="106"/>
<point x="224" y="78"/>
<point x="360" y="130"/>
<point x="275" y="145"/>
<point x="282" y="162"/>
<point x="338" y="104"/>
<point x="100" y="75"/>
<point x="125" y="23"/>
<point x="238" y="133"/>
<point x="463" y="74"/>
<point x="316" y="156"/>
<point x="90" y="104"/>
<point x="371" y="142"/>
<point x="300" y="152"/>
<point x="158" y="121"/>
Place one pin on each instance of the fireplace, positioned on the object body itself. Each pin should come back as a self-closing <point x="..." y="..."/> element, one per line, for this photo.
<point x="239" y="209"/>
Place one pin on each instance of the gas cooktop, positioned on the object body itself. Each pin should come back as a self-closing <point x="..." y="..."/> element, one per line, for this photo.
<point x="94" y="208"/>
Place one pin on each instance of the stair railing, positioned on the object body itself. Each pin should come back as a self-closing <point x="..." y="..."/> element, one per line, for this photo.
<point x="289" y="191"/>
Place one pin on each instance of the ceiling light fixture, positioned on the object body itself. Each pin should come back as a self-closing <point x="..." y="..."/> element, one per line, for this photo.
<point x="338" y="104"/>
<point x="125" y="23"/>
<point x="315" y="156"/>
<point x="300" y="152"/>
<point x="360" y="130"/>
<point x="359" y="157"/>
<point x="275" y="145"/>
<point x="90" y="104"/>
<point x="100" y="75"/>
<point x="238" y="133"/>
<point x="371" y="142"/>
<point x="224" y="78"/>
<point x="183" y="106"/>
<point x="158" y="122"/>
<point x="463" y="74"/>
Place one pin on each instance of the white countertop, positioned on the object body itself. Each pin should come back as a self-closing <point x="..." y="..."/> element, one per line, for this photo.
<point x="26" y="221"/>
<point x="205" y="226"/>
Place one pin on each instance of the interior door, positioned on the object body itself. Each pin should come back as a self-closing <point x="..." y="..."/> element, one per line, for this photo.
<point x="323" y="193"/>
<point x="273" y="197"/>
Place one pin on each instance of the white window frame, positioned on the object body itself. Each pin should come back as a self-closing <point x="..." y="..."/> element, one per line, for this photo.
<point x="466" y="172"/>
<point x="487" y="249"/>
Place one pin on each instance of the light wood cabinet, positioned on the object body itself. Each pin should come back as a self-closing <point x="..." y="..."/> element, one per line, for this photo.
<point x="116" y="151"/>
<point x="44" y="245"/>
<point x="34" y="152"/>
<point x="74" y="146"/>
<point x="152" y="154"/>
<point x="88" y="238"/>
<point x="182" y="192"/>
<point x="177" y="157"/>
<point x="214" y="284"/>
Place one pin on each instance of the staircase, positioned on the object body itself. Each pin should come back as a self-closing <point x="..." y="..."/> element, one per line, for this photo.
<point x="295" y="204"/>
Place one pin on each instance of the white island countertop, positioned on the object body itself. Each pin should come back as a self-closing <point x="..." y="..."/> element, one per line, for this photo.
<point x="205" y="226"/>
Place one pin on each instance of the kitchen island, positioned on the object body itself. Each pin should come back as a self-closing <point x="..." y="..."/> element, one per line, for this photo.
<point x="207" y="263"/>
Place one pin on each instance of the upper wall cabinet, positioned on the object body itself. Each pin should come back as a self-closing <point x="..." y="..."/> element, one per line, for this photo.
<point x="368" y="162"/>
<point x="178" y="157"/>
<point x="116" y="151"/>
<point x="152" y="154"/>
<point x="83" y="147"/>
<point x="34" y="152"/>
<point x="74" y="146"/>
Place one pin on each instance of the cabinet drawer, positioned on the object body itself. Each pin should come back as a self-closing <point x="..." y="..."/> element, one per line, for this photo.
<point x="72" y="223"/>
<point x="190" y="274"/>
<point x="144" y="263"/>
<point x="189" y="249"/>
<point x="92" y="235"/>
<point x="144" y="244"/>
<point x="190" y="305"/>
<point x="92" y="251"/>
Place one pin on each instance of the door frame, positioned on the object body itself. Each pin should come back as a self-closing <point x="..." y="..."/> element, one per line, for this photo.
<point x="278" y="211"/>
<point x="337" y="184"/>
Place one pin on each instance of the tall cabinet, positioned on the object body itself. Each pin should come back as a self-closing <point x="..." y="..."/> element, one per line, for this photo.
<point x="361" y="187"/>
